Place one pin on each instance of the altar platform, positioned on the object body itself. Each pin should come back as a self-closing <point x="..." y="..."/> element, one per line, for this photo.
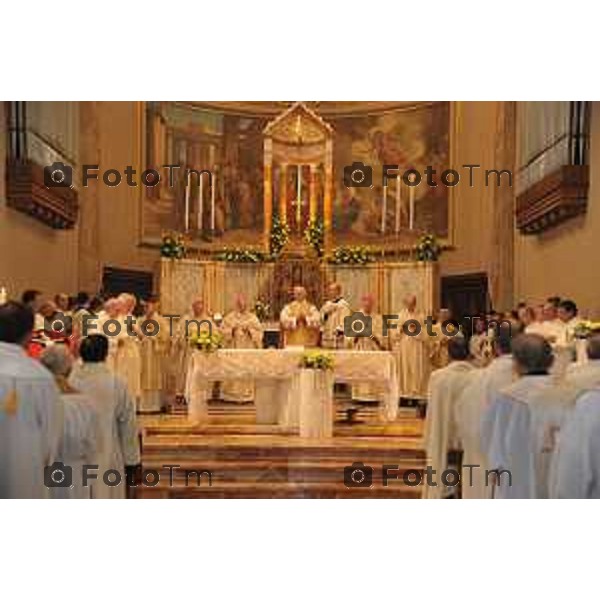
<point x="247" y="460"/>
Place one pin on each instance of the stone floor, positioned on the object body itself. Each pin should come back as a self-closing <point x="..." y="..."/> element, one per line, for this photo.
<point x="230" y="456"/>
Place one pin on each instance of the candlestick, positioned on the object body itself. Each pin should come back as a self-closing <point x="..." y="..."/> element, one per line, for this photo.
<point x="398" y="204"/>
<point x="411" y="204"/>
<point x="187" y="203"/>
<point x="299" y="201"/>
<point x="383" y="209"/>
<point x="213" y="188"/>
<point x="200" y="204"/>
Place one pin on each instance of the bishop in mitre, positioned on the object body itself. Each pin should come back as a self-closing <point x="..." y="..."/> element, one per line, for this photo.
<point x="241" y="329"/>
<point x="154" y="344"/>
<point x="528" y="417"/>
<point x="441" y="434"/>
<point x="300" y="320"/>
<point x="128" y="359"/>
<point x="411" y="351"/>
<point x="333" y="313"/>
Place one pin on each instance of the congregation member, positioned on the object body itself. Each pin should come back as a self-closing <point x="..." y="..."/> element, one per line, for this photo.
<point x="438" y="341"/>
<point x="445" y="388"/>
<point x="587" y="374"/>
<point x="118" y="446"/>
<point x="78" y="440"/>
<point x="527" y="417"/>
<point x="567" y="314"/>
<point x="470" y="408"/>
<point x="241" y="329"/>
<point x="30" y="409"/>
<point x="300" y="320"/>
<point x="333" y="313"/>
<point x="32" y="299"/>
<point x="411" y="350"/>
<point x="153" y="346"/>
<point x="63" y="303"/>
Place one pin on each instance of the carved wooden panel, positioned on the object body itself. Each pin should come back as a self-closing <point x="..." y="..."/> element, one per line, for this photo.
<point x="557" y="197"/>
<point x="26" y="192"/>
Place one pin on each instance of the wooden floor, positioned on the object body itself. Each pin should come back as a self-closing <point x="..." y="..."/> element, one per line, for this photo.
<point x="246" y="460"/>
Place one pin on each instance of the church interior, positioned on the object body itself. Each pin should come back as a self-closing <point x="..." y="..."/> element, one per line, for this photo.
<point x="322" y="294"/>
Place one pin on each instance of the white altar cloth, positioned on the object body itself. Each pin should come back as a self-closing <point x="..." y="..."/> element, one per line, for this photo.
<point x="280" y="389"/>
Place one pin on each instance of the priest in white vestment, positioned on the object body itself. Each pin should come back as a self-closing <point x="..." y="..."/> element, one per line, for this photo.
<point x="481" y="344"/>
<point x="333" y="313"/>
<point x="30" y="409"/>
<point x="473" y="431"/>
<point x="128" y="359"/>
<point x="375" y="342"/>
<point x="118" y="444"/>
<point x="78" y="442"/>
<point x="106" y="324"/>
<point x="528" y="416"/>
<point x="441" y="435"/>
<point x="577" y="461"/>
<point x="587" y="374"/>
<point x="199" y="319"/>
<point x="154" y="344"/>
<point x="300" y="320"/>
<point x="242" y="330"/>
<point x="411" y="351"/>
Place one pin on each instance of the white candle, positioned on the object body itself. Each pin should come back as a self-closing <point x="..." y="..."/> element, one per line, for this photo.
<point x="398" y="203"/>
<point x="383" y="209"/>
<point x="299" y="200"/>
<point x="213" y="188"/>
<point x="3" y="296"/>
<point x="411" y="207"/>
<point x="187" y="204"/>
<point x="200" y="204"/>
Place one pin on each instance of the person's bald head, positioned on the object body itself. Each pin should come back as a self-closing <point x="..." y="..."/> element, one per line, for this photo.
<point x="198" y="307"/>
<point x="299" y="293"/>
<point x="532" y="354"/>
<point x="410" y="302"/>
<point x="593" y="347"/>
<point x="58" y="360"/>
<point x="334" y="290"/>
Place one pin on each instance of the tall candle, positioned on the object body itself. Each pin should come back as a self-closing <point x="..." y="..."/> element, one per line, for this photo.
<point x="398" y="204"/>
<point x="3" y="295"/>
<point x="411" y="206"/>
<point x="213" y="188"/>
<point x="383" y="209"/>
<point x="299" y="200"/>
<point x="187" y="204"/>
<point x="200" y="204"/>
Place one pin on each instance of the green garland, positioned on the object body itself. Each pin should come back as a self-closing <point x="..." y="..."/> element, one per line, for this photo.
<point x="314" y="235"/>
<point x="428" y="248"/>
<point x="172" y="246"/>
<point x="280" y="235"/>
<point x="351" y="255"/>
<point x="241" y="256"/>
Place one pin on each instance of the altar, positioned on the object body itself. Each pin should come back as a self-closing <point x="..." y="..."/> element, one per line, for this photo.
<point x="285" y="393"/>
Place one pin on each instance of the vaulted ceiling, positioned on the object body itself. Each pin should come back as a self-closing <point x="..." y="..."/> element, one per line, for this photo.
<point x="325" y="108"/>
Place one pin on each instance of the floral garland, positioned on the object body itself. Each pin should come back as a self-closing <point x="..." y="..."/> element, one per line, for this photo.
<point x="351" y="255"/>
<point x="280" y="235"/>
<point x="172" y="246"/>
<point x="314" y="235"/>
<point x="206" y="341"/>
<point x="316" y="359"/>
<point x="585" y="329"/>
<point x="241" y="256"/>
<point x="262" y="310"/>
<point x="428" y="248"/>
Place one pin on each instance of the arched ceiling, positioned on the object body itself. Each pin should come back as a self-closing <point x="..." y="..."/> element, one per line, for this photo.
<point x="326" y="108"/>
